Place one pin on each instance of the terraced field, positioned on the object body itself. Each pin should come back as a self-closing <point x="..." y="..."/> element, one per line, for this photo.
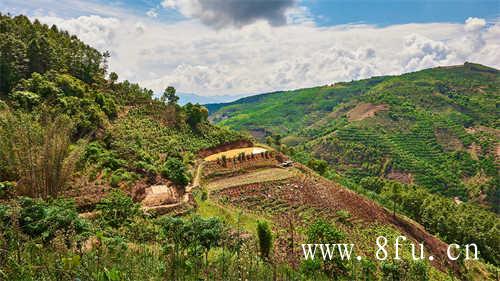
<point x="298" y="194"/>
<point x="258" y="176"/>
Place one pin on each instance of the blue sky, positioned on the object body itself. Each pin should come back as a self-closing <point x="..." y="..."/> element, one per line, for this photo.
<point x="324" y="12"/>
<point x="222" y="47"/>
<point x="388" y="12"/>
<point x="379" y="12"/>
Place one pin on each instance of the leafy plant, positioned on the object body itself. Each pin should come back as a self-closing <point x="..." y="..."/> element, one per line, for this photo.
<point x="117" y="209"/>
<point x="265" y="239"/>
<point x="175" y="170"/>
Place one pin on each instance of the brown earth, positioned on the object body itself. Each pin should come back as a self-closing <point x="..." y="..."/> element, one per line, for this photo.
<point x="365" y="110"/>
<point x="309" y="191"/>
<point x="224" y="147"/>
<point x="402" y="177"/>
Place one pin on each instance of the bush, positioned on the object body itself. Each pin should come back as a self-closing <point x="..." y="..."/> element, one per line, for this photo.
<point x="265" y="239"/>
<point x="41" y="219"/>
<point x="372" y="183"/>
<point x="175" y="170"/>
<point x="117" y="209"/>
<point x="343" y="216"/>
<point x="25" y="99"/>
<point x="6" y="189"/>
<point x="320" y="166"/>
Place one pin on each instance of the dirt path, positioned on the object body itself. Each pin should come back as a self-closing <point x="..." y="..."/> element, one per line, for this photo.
<point x="196" y="177"/>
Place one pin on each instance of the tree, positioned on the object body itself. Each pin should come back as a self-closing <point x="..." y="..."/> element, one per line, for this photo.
<point x="196" y="114"/>
<point x="277" y="139"/>
<point x="41" y="54"/>
<point x="265" y="239"/>
<point x="208" y="233"/>
<point x="36" y="153"/>
<point x="269" y="140"/>
<point x="169" y="96"/>
<point x="117" y="208"/>
<point x="372" y="183"/>
<point x="175" y="170"/>
<point x="113" y="77"/>
<point x="395" y="189"/>
<point x="13" y="62"/>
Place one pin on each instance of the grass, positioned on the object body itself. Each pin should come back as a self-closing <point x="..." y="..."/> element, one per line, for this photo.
<point x="247" y="221"/>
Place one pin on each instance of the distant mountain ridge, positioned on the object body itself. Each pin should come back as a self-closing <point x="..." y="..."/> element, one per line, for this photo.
<point x="185" y="98"/>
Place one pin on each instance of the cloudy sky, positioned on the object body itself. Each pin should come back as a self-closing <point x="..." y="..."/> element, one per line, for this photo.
<point x="234" y="47"/>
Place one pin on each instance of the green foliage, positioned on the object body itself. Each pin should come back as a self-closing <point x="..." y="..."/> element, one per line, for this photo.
<point x="13" y="59"/>
<point x="28" y="47"/>
<point x="6" y="189"/>
<point x="372" y="183"/>
<point x="320" y="166"/>
<point x="196" y="114"/>
<point x="25" y="99"/>
<point x="169" y="96"/>
<point x="423" y="132"/>
<point x="117" y="209"/>
<point x="175" y="170"/>
<point x="322" y="232"/>
<point x="455" y="223"/>
<point x="394" y="190"/>
<point x="265" y="239"/>
<point x="41" y="219"/>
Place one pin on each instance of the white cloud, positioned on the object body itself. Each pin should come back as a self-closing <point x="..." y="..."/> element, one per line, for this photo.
<point x="474" y="24"/>
<point x="260" y="57"/>
<point x="152" y="13"/>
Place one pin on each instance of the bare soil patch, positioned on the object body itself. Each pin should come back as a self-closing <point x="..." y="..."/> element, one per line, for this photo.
<point x="227" y="146"/>
<point x="365" y="110"/>
<point x="235" y="152"/>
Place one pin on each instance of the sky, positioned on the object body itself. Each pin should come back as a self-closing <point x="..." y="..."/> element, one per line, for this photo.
<point x="244" y="47"/>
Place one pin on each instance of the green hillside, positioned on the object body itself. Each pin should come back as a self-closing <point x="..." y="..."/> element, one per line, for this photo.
<point x="437" y="128"/>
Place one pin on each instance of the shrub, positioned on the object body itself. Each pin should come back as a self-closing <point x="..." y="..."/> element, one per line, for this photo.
<point x="24" y="99"/>
<point x="117" y="209"/>
<point x="320" y="166"/>
<point x="175" y="170"/>
<point x="265" y="239"/>
<point x="6" y="189"/>
<point x="343" y="216"/>
<point x="372" y="183"/>
<point x="41" y="219"/>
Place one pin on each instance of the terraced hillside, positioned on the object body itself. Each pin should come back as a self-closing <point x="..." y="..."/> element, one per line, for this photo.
<point x="421" y="128"/>
<point x="292" y="198"/>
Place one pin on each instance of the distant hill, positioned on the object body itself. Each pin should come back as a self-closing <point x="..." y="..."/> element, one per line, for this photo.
<point x="437" y="128"/>
<point x="184" y="98"/>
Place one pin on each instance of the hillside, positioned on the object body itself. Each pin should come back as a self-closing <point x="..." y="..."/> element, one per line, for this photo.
<point x="101" y="181"/>
<point x="437" y="128"/>
<point x="428" y="135"/>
